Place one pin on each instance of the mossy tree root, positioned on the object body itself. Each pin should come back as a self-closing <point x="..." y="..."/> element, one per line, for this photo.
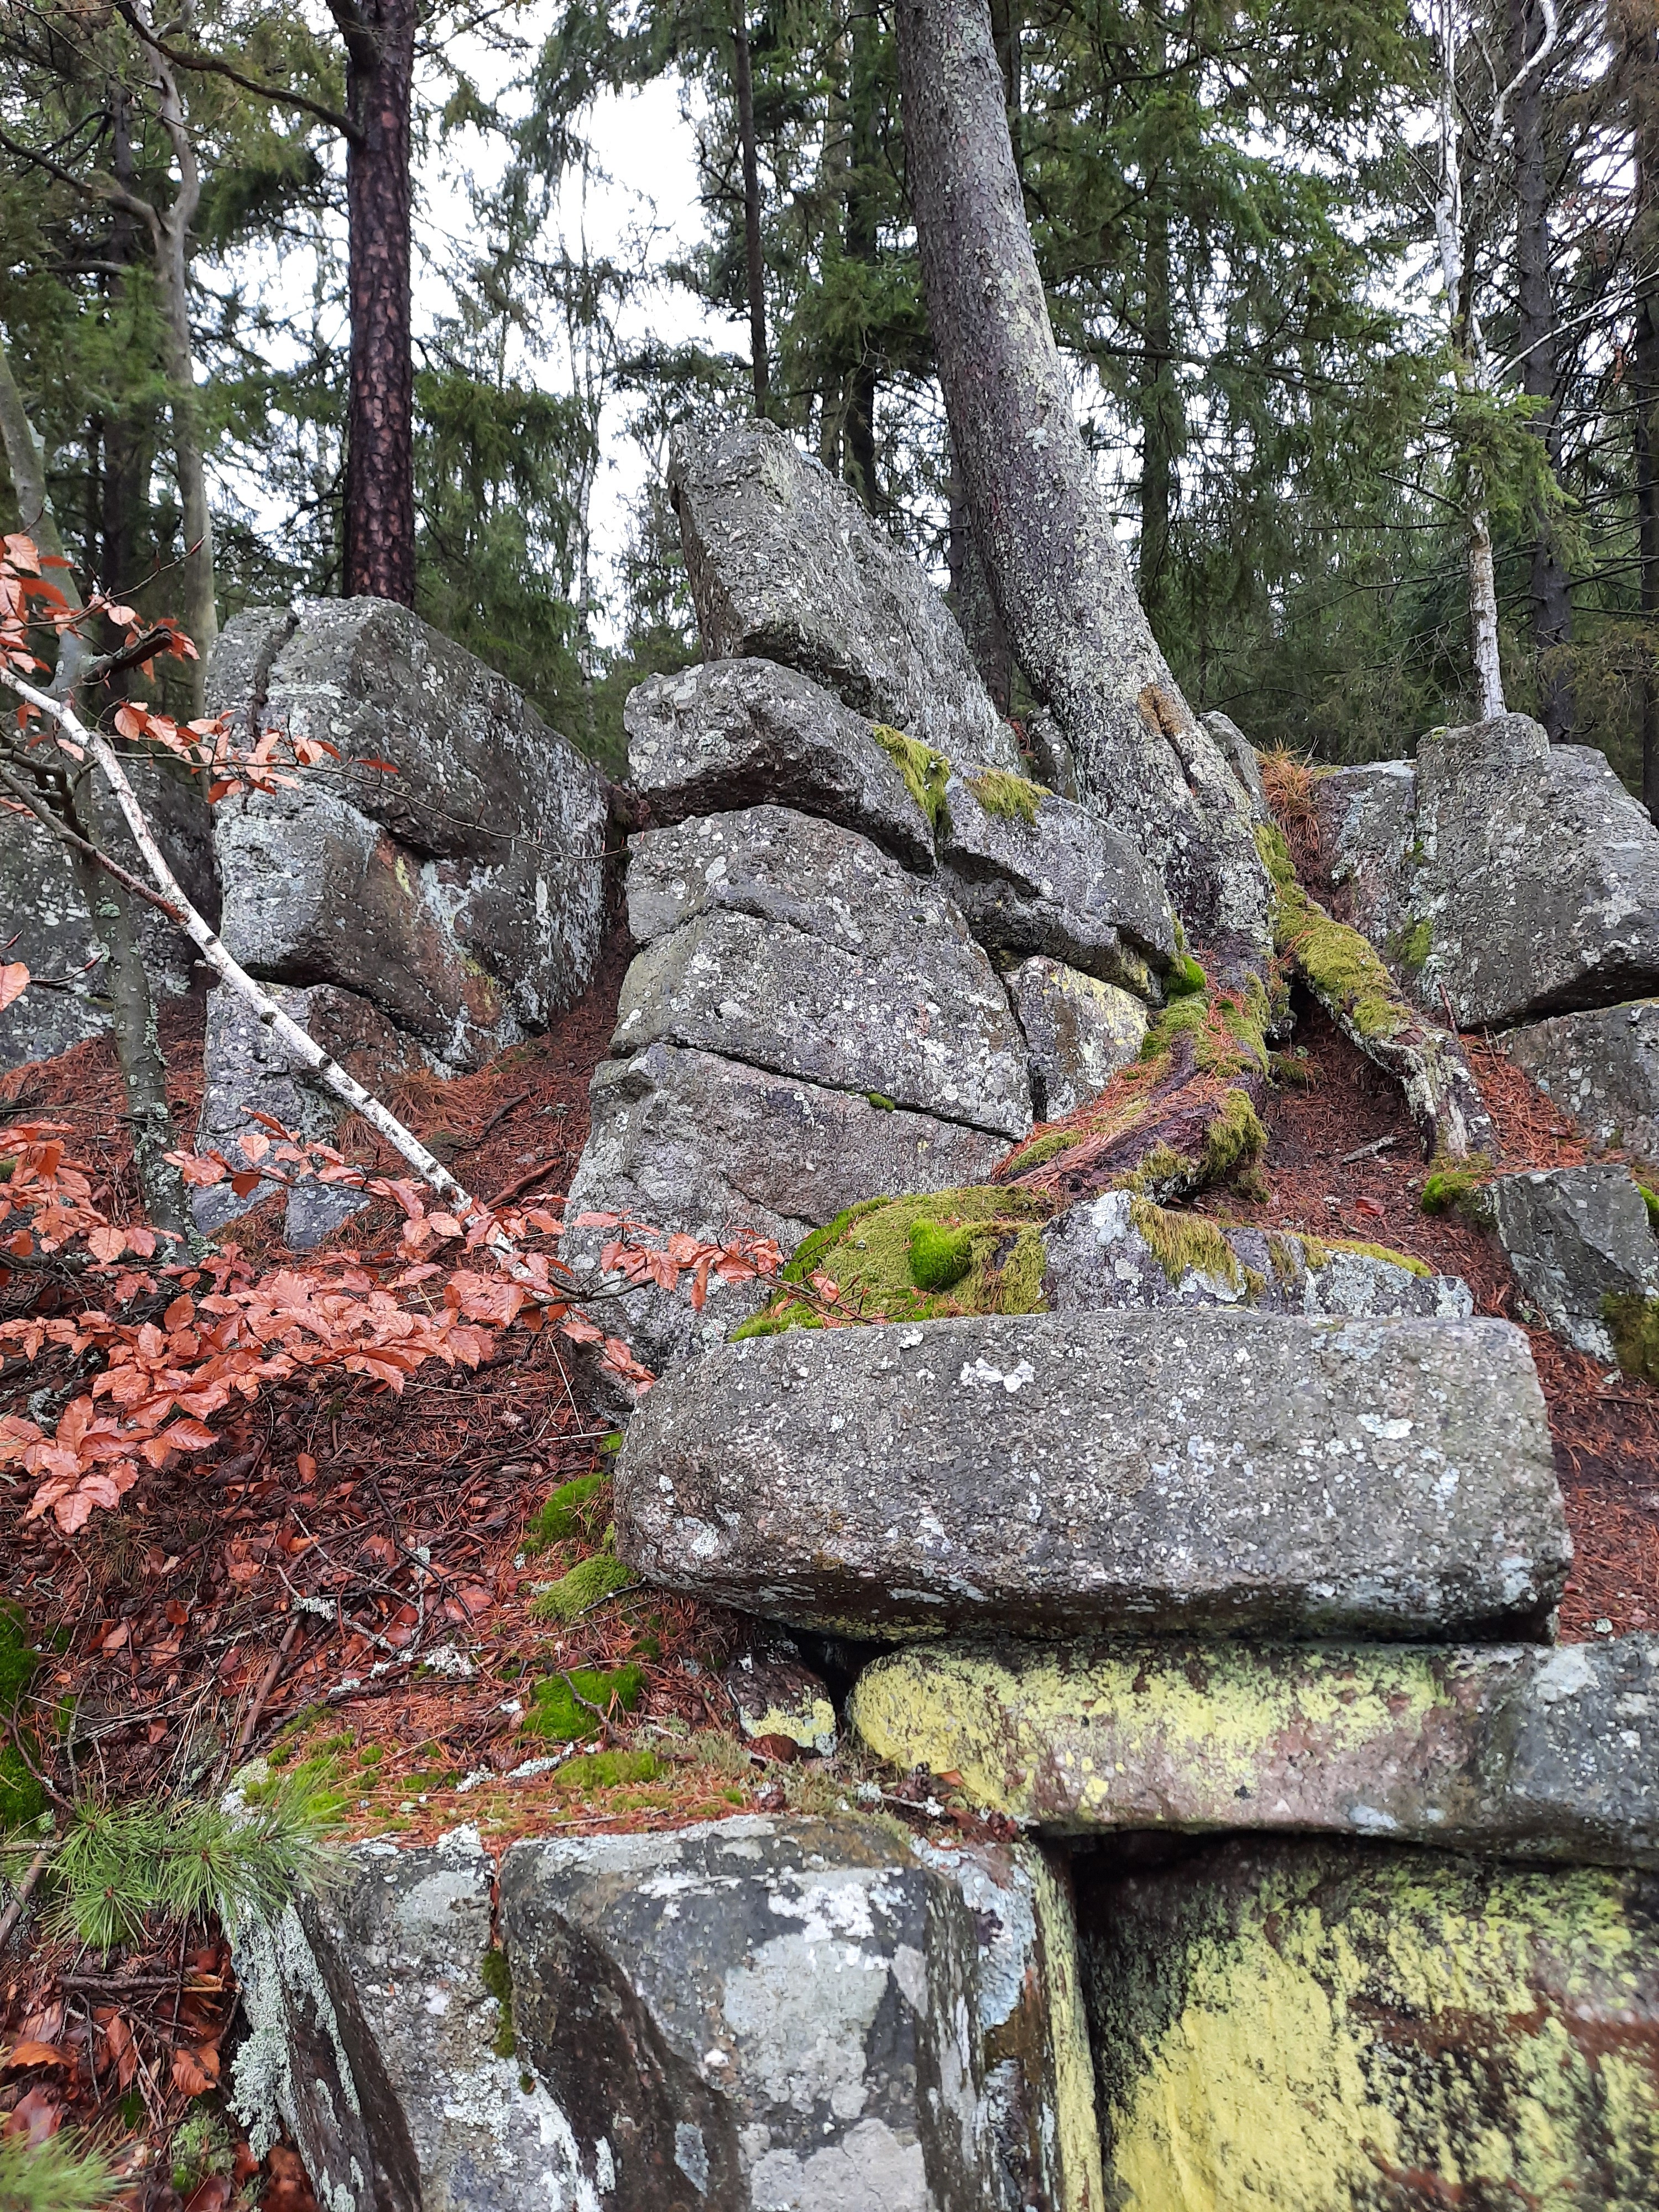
<point x="1345" y="974"/>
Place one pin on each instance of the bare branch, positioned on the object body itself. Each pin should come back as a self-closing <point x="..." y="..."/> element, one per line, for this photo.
<point x="42" y="813"/>
<point x="213" y="65"/>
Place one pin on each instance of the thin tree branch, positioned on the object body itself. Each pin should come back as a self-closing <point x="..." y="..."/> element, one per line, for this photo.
<point x="211" y="64"/>
<point x="38" y="807"/>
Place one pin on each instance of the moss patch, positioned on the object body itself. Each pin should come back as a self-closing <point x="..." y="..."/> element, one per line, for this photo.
<point x="559" y="1707"/>
<point x="572" y="1509"/>
<point x="1386" y="1253"/>
<point x="588" y="1583"/>
<point x="1411" y="944"/>
<point x="1185" y="978"/>
<point x="1186" y="1243"/>
<point x="1014" y="797"/>
<point x="1650" y="1200"/>
<point x="22" y="1800"/>
<point x="606" y="1770"/>
<point x="1633" y="1324"/>
<point x="496" y="1975"/>
<point x="1048" y="1147"/>
<point x="925" y="773"/>
<point x="1449" y="1190"/>
<point x="974" y="1250"/>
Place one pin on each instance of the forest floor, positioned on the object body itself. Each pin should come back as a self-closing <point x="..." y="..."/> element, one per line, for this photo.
<point x="171" y="1624"/>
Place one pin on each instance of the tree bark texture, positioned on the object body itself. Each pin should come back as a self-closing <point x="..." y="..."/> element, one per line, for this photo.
<point x="1040" y="517"/>
<point x="978" y="615"/>
<point x="860" y="433"/>
<point x="380" y="486"/>
<point x="754" y="261"/>
<point x="1641" y="58"/>
<point x="1549" y="593"/>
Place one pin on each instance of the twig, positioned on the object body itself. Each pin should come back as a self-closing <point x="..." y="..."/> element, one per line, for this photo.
<point x="42" y="813"/>
<point x="1364" y="1151"/>
<point x="519" y="1184"/>
<point x="501" y="1115"/>
<point x="14" y="1912"/>
<point x="614" y="1734"/>
<point x="267" y="1684"/>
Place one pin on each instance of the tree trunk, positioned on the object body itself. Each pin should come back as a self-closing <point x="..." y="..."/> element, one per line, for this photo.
<point x="1040" y="517"/>
<point x="1483" y="620"/>
<point x="754" y="260"/>
<point x="977" y="615"/>
<point x="860" y="432"/>
<point x="1641" y="58"/>
<point x="380" y="486"/>
<point x="1551" y="598"/>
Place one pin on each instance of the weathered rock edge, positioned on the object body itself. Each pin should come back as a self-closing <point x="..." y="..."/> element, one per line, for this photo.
<point x="752" y="2011"/>
<point x="1504" y="1749"/>
<point x="1065" y="1474"/>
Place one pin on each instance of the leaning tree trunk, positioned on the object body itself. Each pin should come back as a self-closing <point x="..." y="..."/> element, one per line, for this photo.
<point x="1641" y="61"/>
<point x="754" y="259"/>
<point x="1040" y="516"/>
<point x="379" y="485"/>
<point x="1552" y="603"/>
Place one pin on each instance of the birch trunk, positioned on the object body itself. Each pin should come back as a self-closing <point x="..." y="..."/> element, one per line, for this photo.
<point x="1039" y="517"/>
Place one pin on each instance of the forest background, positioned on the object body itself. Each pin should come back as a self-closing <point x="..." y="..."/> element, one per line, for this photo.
<point x="1234" y="210"/>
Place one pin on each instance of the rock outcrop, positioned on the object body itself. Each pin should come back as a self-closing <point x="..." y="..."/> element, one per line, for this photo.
<point x="1580" y="1246"/>
<point x="1314" y="2026"/>
<point x="1079" y="1032"/>
<point x="1054" y="1474"/>
<point x="1118" y="1251"/>
<point x="733" y="734"/>
<point x="774" y="2014"/>
<point x="1518" y="877"/>
<point x="1537" y="1754"/>
<point x="785" y="565"/>
<point x="1602" y="1069"/>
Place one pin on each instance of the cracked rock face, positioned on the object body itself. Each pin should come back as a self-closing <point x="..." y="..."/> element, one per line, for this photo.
<point x="1315" y="2025"/>
<point x="1066" y="1474"/>
<point x="1063" y="883"/>
<point x="1574" y="1236"/>
<point x="1518" y="876"/>
<point x="792" y="945"/>
<point x="462" y="895"/>
<point x="690" y="1140"/>
<point x="735" y="733"/>
<point x="1099" y="1260"/>
<point x="1490" y="1747"/>
<point x="1078" y="1031"/>
<point x="784" y="564"/>
<point x="793" y="2016"/>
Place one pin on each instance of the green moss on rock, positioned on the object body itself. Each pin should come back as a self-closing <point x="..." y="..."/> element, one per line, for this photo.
<point x="925" y="772"/>
<point x="1411" y="944"/>
<point x="496" y="1976"/>
<point x="1015" y="797"/>
<point x="1185" y="978"/>
<point x="940" y="1257"/>
<point x="1185" y="1243"/>
<point x="1633" y="1324"/>
<point x="1449" y="1190"/>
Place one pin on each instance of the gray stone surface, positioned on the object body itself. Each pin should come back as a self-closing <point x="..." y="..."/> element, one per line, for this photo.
<point x="688" y="1140"/>
<point x="881" y="990"/>
<point x="774" y="1693"/>
<point x="1064" y="1473"/>
<point x="1078" y="1031"/>
<point x="1520" y="877"/>
<point x="1099" y="1259"/>
<point x="1064" y="883"/>
<point x="1574" y="1236"/>
<point x="46" y="918"/>
<point x="786" y="565"/>
<point x="1242" y="757"/>
<point x="733" y="734"/>
<point x="1326" y="2026"/>
<point x="462" y="896"/>
<point x="1498" y="1748"/>
<point x="1602" y="1069"/>
<point x="806" y="2016"/>
<point x="244" y="1067"/>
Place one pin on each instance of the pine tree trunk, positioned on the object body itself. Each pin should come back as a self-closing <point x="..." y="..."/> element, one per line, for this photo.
<point x="1641" y="58"/>
<point x="379" y="485"/>
<point x="1040" y="517"/>
<point x="753" y="259"/>
<point x="860" y="431"/>
<point x="1549" y="593"/>
<point x="977" y="615"/>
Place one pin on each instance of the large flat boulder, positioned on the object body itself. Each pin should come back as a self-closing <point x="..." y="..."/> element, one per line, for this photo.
<point x="446" y="862"/>
<point x="1119" y="1251"/>
<point x="775" y="2015"/>
<point x="1578" y="1242"/>
<point x="731" y="733"/>
<point x="1079" y="1032"/>
<point x="1033" y="872"/>
<point x="1319" y="2027"/>
<point x="1602" y="1069"/>
<point x="785" y="565"/>
<point x="799" y="947"/>
<point x="1059" y="1474"/>
<point x="688" y="1140"/>
<point x="1495" y="1748"/>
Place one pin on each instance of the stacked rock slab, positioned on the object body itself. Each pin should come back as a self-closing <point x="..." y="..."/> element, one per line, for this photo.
<point x="832" y="879"/>
<point x="1580" y="1244"/>
<point x="760" y="2012"/>
<point x="443" y="865"/>
<point x="1601" y="1068"/>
